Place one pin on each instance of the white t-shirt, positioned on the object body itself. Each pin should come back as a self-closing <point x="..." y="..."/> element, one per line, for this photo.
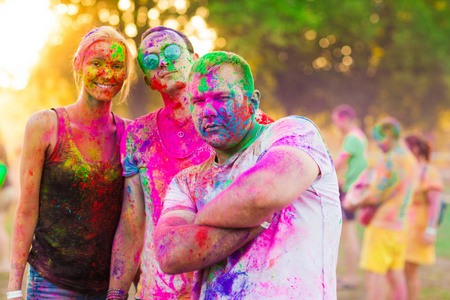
<point x="295" y="258"/>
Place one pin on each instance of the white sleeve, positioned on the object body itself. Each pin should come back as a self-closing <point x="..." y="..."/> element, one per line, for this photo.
<point x="178" y="197"/>
<point x="302" y="134"/>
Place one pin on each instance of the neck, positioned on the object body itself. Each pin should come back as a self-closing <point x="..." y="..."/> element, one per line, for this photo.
<point x="422" y="160"/>
<point x="249" y="138"/>
<point x="177" y="105"/>
<point x="92" y="112"/>
<point x="392" y="146"/>
<point x="350" y="128"/>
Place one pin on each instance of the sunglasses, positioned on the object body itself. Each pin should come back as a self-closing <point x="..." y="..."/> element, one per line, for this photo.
<point x="171" y="52"/>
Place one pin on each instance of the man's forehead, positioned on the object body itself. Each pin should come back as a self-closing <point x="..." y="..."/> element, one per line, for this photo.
<point x="225" y="73"/>
<point x="161" y="38"/>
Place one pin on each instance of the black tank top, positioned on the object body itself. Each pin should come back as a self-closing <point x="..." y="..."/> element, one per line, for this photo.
<point x="79" y="209"/>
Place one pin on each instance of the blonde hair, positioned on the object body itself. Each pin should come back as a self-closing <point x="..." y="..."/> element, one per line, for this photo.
<point x="104" y="33"/>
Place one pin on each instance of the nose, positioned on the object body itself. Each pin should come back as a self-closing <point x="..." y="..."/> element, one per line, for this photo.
<point x="106" y="72"/>
<point x="209" y="110"/>
<point x="163" y="61"/>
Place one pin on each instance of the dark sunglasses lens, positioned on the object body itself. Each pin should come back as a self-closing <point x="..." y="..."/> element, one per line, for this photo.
<point x="172" y="52"/>
<point x="151" y="61"/>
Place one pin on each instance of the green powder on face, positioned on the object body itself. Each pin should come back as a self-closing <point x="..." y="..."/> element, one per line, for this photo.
<point x="118" y="51"/>
<point x="203" y="87"/>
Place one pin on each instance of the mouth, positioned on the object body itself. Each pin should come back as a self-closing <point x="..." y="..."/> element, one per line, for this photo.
<point x="165" y="74"/>
<point x="211" y="127"/>
<point x="105" y="86"/>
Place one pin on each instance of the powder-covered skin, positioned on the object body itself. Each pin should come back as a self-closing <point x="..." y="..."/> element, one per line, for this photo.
<point x="104" y="69"/>
<point x="393" y="183"/>
<point x="80" y="204"/>
<point x="296" y="257"/>
<point x="143" y="152"/>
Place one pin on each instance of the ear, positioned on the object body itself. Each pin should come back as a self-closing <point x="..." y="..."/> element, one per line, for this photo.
<point x="148" y="82"/>
<point x="195" y="56"/>
<point x="254" y="101"/>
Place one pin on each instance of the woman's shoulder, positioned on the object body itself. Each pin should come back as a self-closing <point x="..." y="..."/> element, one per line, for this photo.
<point x="43" y="120"/>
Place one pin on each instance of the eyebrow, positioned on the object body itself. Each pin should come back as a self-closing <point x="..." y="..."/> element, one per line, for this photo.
<point x="147" y="52"/>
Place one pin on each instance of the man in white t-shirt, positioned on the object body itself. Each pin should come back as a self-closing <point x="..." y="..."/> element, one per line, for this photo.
<point x="261" y="219"/>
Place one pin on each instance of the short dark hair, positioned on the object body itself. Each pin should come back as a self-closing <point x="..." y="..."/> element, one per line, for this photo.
<point x="213" y="60"/>
<point x="164" y="28"/>
<point x="421" y="143"/>
<point x="387" y="124"/>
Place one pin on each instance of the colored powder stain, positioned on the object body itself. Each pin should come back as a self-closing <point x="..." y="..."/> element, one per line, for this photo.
<point x="203" y="87"/>
<point x="31" y="173"/>
<point x="394" y="179"/>
<point x="231" y="285"/>
<point x="201" y="237"/>
<point x="118" y="52"/>
<point x="378" y="134"/>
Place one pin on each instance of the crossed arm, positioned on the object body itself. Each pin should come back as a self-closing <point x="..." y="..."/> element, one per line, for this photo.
<point x="185" y="241"/>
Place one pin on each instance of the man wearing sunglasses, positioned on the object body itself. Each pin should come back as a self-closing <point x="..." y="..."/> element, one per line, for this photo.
<point x="261" y="218"/>
<point x="155" y="147"/>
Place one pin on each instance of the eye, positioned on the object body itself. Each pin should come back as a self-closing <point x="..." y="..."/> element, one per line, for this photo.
<point x="197" y="101"/>
<point x="95" y="64"/>
<point x="150" y="62"/>
<point x="118" y="67"/>
<point x="223" y="98"/>
<point x="172" y="52"/>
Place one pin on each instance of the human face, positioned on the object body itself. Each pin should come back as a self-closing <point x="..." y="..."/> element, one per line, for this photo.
<point x="221" y="111"/>
<point x="104" y="69"/>
<point x="382" y="140"/>
<point x="339" y="121"/>
<point x="169" y="74"/>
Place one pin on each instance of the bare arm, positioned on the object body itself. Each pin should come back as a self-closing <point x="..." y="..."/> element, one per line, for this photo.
<point x="434" y="200"/>
<point x="182" y="246"/>
<point x="39" y="134"/>
<point x="129" y="237"/>
<point x="269" y="186"/>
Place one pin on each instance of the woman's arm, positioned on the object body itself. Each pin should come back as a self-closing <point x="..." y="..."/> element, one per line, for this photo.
<point x="434" y="209"/>
<point x="40" y="134"/>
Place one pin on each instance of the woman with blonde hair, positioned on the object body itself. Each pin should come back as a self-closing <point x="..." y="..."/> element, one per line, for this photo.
<point x="71" y="180"/>
<point x="422" y="216"/>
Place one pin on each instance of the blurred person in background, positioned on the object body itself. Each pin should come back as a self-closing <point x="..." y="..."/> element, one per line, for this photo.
<point x="422" y="216"/>
<point x="71" y="180"/>
<point x="351" y="161"/>
<point x="391" y="187"/>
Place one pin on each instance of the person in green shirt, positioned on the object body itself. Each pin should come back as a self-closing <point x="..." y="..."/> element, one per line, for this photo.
<point x="351" y="161"/>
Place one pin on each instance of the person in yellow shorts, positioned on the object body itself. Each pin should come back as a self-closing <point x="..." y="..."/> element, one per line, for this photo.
<point x="391" y="187"/>
<point x="422" y="215"/>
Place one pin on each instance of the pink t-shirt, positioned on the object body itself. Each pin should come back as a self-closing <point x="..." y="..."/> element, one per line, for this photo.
<point x="143" y="152"/>
<point x="296" y="257"/>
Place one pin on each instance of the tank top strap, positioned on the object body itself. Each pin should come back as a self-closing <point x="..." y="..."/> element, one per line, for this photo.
<point x="62" y="132"/>
<point x="120" y="127"/>
<point x="63" y="121"/>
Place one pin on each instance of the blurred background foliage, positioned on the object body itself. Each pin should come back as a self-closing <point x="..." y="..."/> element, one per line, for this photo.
<point x="380" y="56"/>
